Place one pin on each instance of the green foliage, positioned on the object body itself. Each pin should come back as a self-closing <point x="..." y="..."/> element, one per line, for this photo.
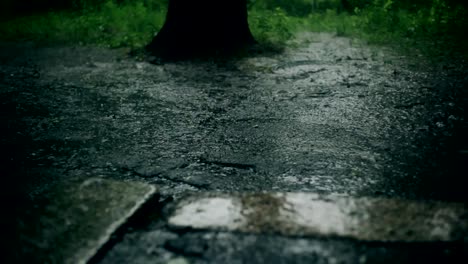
<point x="333" y="21"/>
<point x="414" y="23"/>
<point x="298" y="8"/>
<point x="126" y="23"/>
<point x="109" y="24"/>
<point x="132" y="23"/>
<point x="389" y="19"/>
<point x="290" y="7"/>
<point x="272" y="26"/>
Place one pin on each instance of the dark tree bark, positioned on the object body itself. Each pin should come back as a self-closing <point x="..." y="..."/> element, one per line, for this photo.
<point x="203" y="27"/>
<point x="346" y="6"/>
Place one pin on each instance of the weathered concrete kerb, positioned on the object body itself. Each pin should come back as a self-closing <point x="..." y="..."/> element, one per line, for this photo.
<point x="75" y="219"/>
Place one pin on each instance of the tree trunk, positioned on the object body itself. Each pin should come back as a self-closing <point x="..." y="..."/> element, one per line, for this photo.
<point x="346" y="6"/>
<point x="203" y="27"/>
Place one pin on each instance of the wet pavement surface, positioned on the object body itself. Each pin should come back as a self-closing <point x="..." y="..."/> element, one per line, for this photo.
<point x="332" y="116"/>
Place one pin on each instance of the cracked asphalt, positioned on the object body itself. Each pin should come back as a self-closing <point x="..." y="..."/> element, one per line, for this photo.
<point x="332" y="116"/>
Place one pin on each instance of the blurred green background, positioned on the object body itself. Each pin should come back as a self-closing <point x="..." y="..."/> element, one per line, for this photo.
<point x="126" y="23"/>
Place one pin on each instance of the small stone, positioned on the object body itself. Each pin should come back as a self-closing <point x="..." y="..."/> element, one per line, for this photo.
<point x="149" y="171"/>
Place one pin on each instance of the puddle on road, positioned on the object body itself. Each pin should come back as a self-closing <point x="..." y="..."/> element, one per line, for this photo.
<point x="220" y="212"/>
<point x="305" y="214"/>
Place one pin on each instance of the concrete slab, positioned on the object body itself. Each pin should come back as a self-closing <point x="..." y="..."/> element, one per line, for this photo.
<point x="72" y="221"/>
<point x="305" y="214"/>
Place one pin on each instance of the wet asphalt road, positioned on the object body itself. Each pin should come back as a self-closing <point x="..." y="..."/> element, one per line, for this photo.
<point x="332" y="117"/>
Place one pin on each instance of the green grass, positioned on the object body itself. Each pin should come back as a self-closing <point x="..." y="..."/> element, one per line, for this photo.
<point x="438" y="29"/>
<point x="112" y="25"/>
<point x="134" y="23"/>
<point x="127" y="25"/>
<point x="273" y="26"/>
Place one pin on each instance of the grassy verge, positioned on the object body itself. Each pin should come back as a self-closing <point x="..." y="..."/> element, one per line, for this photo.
<point x="432" y="25"/>
<point x="128" y="25"/>
<point x="111" y="25"/>
<point x="435" y="29"/>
